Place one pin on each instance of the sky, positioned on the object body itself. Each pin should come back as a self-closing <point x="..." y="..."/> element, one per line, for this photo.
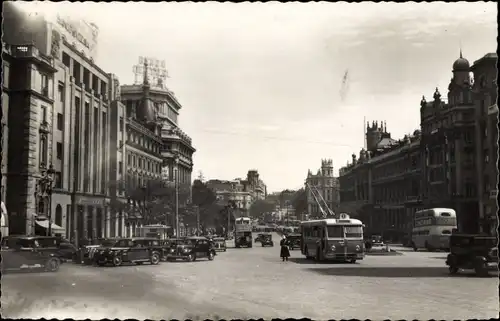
<point x="261" y="85"/>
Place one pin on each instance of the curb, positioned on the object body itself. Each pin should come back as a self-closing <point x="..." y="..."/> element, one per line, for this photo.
<point x="391" y="253"/>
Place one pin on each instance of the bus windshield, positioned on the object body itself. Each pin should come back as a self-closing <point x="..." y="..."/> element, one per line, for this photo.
<point x="348" y="231"/>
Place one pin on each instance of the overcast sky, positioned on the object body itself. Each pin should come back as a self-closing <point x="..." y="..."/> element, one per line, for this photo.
<point x="261" y="84"/>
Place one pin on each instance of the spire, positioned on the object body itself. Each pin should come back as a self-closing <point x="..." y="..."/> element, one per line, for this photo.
<point x="461" y="56"/>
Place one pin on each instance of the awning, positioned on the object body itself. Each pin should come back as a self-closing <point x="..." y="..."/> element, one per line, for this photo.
<point x="54" y="227"/>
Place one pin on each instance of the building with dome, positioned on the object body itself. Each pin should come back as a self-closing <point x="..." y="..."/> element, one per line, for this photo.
<point x="449" y="162"/>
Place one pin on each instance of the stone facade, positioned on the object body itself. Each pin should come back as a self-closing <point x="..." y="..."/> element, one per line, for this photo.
<point x="326" y="184"/>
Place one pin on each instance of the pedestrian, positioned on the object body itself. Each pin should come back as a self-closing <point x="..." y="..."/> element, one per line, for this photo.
<point x="284" y="251"/>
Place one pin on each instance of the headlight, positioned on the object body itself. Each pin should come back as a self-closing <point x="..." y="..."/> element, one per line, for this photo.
<point x="333" y="248"/>
<point x="186" y="250"/>
<point x="358" y="247"/>
<point x="172" y="250"/>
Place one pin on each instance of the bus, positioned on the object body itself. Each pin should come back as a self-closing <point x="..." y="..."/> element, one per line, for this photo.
<point x="243" y="232"/>
<point x="432" y="229"/>
<point x="333" y="239"/>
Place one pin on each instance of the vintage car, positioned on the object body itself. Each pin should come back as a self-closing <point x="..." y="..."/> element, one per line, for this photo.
<point x="294" y="240"/>
<point x="127" y="250"/>
<point x="266" y="240"/>
<point x="67" y="251"/>
<point x="85" y="254"/>
<point x="219" y="244"/>
<point x="474" y="252"/>
<point x="30" y="253"/>
<point x="191" y="248"/>
<point x="259" y="237"/>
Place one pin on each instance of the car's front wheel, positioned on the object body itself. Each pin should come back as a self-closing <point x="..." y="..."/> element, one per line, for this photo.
<point x="154" y="259"/>
<point x="53" y="265"/>
<point x="117" y="260"/>
<point x="211" y="256"/>
<point x="191" y="258"/>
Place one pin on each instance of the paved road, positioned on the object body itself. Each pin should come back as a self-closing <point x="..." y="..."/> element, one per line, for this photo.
<point x="254" y="283"/>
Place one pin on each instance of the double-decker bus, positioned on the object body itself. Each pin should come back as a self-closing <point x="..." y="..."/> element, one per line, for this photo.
<point x="243" y="232"/>
<point x="432" y="228"/>
<point x="333" y="239"/>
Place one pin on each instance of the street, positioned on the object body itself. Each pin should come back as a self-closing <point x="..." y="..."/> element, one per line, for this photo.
<point x="254" y="283"/>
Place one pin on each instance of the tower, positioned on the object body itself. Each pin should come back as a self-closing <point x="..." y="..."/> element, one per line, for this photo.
<point x="459" y="90"/>
<point x="374" y="134"/>
<point x="327" y="167"/>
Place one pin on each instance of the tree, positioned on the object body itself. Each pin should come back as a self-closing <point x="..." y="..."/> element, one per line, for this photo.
<point x="299" y="201"/>
<point x="152" y="203"/>
<point x="205" y="200"/>
<point x="260" y="207"/>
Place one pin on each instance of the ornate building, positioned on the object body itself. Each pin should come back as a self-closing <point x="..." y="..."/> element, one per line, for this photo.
<point x="256" y="185"/>
<point x="163" y="109"/>
<point x="68" y="115"/>
<point x="446" y="164"/>
<point x="326" y="184"/>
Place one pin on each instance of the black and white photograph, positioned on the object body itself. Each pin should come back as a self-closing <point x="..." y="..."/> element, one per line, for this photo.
<point x="238" y="160"/>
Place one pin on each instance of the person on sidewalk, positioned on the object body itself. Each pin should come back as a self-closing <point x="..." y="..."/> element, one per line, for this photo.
<point x="284" y="249"/>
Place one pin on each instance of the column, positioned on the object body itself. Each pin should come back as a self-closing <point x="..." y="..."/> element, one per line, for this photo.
<point x="106" y="222"/>
<point x="122" y="223"/>
<point x="117" y="223"/>
<point x="81" y="169"/>
<point x="92" y="165"/>
<point x="85" y="222"/>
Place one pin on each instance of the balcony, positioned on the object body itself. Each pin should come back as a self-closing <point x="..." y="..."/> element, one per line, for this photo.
<point x="31" y="52"/>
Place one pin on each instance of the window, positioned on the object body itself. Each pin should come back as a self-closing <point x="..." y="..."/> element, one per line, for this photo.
<point x="121" y="124"/>
<point x="45" y="85"/>
<point x="129" y="159"/>
<point x="58" y="180"/>
<point x="335" y="231"/>
<point x="60" y="90"/>
<point x="43" y="151"/>
<point x="59" y="150"/>
<point x="60" y="121"/>
<point x="44" y="114"/>
<point x="120" y="167"/>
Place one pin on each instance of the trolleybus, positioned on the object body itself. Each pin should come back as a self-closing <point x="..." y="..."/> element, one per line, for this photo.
<point x="432" y="229"/>
<point x="333" y="239"/>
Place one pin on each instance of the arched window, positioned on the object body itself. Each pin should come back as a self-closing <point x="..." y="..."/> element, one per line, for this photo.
<point x="58" y="218"/>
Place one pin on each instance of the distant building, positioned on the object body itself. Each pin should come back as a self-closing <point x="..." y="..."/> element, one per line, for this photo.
<point x="256" y="185"/>
<point x="236" y="191"/>
<point x="326" y="184"/>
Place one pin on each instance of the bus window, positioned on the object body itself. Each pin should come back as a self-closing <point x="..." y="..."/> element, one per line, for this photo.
<point x="354" y="231"/>
<point x="445" y="232"/>
<point x="335" y="231"/>
<point x="445" y="214"/>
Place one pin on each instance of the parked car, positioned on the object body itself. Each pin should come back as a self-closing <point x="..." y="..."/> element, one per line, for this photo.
<point x="191" y="248"/>
<point x="474" y="252"/>
<point x="85" y="254"/>
<point x="30" y="253"/>
<point x="219" y="244"/>
<point x="67" y="251"/>
<point x="127" y="250"/>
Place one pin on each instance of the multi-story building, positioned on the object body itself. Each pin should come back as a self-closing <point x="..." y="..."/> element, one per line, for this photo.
<point x="163" y="109"/>
<point x="485" y="93"/>
<point x="236" y="191"/>
<point x="446" y="164"/>
<point x="326" y="185"/>
<point x="381" y="186"/>
<point x="5" y="117"/>
<point x="256" y="185"/>
<point x="68" y="116"/>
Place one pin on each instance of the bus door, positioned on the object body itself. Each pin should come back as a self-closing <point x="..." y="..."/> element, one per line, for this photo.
<point x="322" y="239"/>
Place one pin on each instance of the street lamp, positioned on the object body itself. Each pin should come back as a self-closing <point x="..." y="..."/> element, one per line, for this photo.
<point x="45" y="185"/>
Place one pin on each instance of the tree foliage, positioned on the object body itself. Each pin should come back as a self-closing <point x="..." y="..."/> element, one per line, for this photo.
<point x="153" y="203"/>
<point x="259" y="207"/>
<point x="299" y="201"/>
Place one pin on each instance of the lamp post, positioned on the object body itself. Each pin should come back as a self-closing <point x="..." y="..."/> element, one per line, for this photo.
<point x="45" y="185"/>
<point x="176" y="177"/>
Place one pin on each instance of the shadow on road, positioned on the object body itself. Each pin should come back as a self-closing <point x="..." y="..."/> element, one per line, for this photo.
<point x="392" y="272"/>
<point x="303" y="260"/>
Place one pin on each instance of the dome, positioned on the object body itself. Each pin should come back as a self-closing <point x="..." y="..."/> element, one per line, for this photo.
<point x="461" y="64"/>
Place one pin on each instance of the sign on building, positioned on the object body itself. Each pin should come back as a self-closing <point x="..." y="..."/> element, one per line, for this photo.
<point x="78" y="32"/>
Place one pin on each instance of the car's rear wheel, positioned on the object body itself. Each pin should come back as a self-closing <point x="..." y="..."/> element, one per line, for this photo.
<point x="191" y="258"/>
<point x="453" y="270"/>
<point x="211" y="256"/>
<point x="154" y="259"/>
<point x="53" y="265"/>
<point x="117" y="260"/>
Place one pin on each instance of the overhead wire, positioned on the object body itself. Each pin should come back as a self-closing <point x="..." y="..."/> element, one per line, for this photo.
<point x="234" y="133"/>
